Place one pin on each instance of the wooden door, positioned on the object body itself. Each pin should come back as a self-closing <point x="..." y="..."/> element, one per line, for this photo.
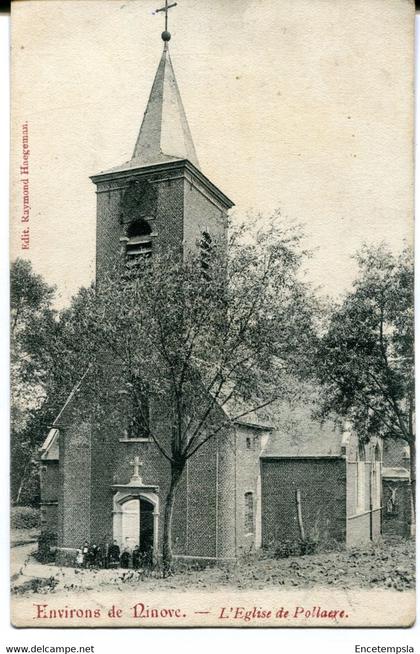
<point x="146" y="527"/>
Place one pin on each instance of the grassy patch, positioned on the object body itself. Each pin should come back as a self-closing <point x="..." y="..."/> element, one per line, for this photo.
<point x="36" y="585"/>
<point x="383" y="565"/>
<point x="24" y="517"/>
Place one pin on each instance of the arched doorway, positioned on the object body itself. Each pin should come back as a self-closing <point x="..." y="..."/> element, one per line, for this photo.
<point x="136" y="521"/>
<point x="137" y="524"/>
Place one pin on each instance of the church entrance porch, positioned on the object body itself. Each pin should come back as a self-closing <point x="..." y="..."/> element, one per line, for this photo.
<point x="136" y="515"/>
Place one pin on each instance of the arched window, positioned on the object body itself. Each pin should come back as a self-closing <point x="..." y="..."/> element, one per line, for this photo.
<point x="249" y="513"/>
<point x="138" y="425"/>
<point x="139" y="242"/>
<point x="137" y="411"/>
<point x="251" y="442"/>
<point x="205" y="253"/>
<point x="360" y="479"/>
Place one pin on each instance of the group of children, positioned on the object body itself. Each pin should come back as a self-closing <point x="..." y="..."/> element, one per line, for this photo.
<point x="110" y="556"/>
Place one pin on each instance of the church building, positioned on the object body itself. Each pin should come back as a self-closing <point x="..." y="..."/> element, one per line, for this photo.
<point x="262" y="479"/>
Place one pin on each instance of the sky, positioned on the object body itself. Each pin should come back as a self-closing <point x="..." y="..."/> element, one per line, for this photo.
<point x="300" y="105"/>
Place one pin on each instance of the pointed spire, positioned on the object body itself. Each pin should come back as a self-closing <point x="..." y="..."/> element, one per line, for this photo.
<point x="164" y="134"/>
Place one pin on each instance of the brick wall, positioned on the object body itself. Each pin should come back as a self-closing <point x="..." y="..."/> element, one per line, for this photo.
<point x="49" y="481"/>
<point x="50" y="489"/>
<point x="108" y="227"/>
<point x="227" y="467"/>
<point x="103" y="457"/>
<point x="75" y="481"/>
<point x="201" y="214"/>
<point x="202" y="506"/>
<point x="322" y="483"/>
<point x="164" y="210"/>
<point x="170" y="214"/>
<point x="396" y="454"/>
<point x="49" y="518"/>
<point x="204" y="515"/>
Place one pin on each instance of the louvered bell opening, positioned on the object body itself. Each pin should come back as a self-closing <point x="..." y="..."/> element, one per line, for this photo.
<point x="139" y="242"/>
<point x="138" y="247"/>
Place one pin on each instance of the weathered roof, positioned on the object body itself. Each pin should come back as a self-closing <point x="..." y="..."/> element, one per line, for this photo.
<point x="242" y="412"/>
<point x="297" y="434"/>
<point x="49" y="450"/>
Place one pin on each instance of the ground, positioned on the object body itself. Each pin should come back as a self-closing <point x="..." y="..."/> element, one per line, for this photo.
<point x="386" y="565"/>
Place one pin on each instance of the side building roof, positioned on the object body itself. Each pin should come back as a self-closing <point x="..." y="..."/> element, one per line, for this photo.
<point x="49" y="450"/>
<point x="298" y="434"/>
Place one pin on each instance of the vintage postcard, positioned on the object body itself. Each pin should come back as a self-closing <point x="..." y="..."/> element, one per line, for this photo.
<point x="212" y="313"/>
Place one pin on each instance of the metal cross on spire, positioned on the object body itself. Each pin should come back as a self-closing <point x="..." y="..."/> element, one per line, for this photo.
<point x="166" y="35"/>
